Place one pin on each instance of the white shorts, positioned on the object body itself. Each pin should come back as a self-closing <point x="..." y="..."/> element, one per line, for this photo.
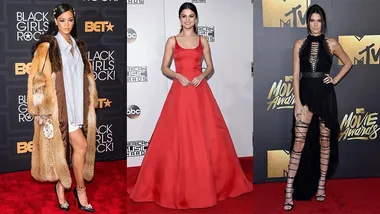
<point x="73" y="127"/>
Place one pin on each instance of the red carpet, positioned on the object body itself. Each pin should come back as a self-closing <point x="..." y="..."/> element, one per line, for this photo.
<point x="20" y="193"/>
<point x="344" y="196"/>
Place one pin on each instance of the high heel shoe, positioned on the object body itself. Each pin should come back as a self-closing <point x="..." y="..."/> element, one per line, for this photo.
<point x="65" y="206"/>
<point x="295" y="158"/>
<point x="87" y="208"/>
<point x="289" y="190"/>
<point x="320" y="197"/>
<point x="325" y="155"/>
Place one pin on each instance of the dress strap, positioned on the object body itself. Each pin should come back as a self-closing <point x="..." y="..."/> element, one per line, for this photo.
<point x="176" y="42"/>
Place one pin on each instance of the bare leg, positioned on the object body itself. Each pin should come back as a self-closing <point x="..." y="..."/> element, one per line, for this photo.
<point x="79" y="144"/>
<point x="324" y="140"/>
<point x="301" y="128"/>
<point x="61" y="193"/>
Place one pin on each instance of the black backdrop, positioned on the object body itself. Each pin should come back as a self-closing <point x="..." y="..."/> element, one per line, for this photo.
<point x="277" y="24"/>
<point x="102" y="25"/>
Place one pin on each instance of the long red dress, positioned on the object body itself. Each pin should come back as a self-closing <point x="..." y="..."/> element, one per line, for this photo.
<point x="191" y="161"/>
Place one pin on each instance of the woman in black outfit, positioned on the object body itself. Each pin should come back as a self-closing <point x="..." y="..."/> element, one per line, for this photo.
<point x="314" y="148"/>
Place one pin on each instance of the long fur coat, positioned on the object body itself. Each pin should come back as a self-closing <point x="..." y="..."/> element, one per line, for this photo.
<point x="46" y="96"/>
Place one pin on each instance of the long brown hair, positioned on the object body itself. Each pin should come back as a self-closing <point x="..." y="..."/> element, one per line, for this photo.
<point x="192" y="7"/>
<point x="319" y="10"/>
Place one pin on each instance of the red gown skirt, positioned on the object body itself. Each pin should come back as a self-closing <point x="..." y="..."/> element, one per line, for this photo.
<point x="191" y="161"/>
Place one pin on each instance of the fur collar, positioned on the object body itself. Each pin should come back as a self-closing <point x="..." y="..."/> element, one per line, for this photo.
<point x="55" y="56"/>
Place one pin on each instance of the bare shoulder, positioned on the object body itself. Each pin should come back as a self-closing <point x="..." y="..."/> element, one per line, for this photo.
<point x="332" y="42"/>
<point x="298" y="43"/>
<point x="170" y="41"/>
<point x="204" y="39"/>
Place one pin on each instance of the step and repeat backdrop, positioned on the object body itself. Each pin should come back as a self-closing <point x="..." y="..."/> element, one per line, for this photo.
<point x="277" y="25"/>
<point x="102" y="25"/>
<point x="149" y="24"/>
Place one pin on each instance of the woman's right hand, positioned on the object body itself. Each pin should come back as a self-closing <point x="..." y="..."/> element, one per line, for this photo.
<point x="183" y="80"/>
<point x="298" y="110"/>
<point x="41" y="119"/>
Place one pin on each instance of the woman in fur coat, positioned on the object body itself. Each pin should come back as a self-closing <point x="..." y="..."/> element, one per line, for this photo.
<point x="62" y="96"/>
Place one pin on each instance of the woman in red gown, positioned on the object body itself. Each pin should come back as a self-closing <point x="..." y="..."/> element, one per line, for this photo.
<point x="191" y="161"/>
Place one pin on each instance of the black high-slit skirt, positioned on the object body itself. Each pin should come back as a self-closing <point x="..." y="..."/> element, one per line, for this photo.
<point x="321" y="101"/>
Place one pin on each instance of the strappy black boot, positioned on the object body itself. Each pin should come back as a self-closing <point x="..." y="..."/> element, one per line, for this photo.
<point x="324" y="160"/>
<point x="325" y="154"/>
<point x="295" y="158"/>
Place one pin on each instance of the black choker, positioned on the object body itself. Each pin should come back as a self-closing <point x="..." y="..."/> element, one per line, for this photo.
<point x="318" y="38"/>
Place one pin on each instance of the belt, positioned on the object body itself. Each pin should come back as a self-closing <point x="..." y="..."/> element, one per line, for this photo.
<point x="313" y="74"/>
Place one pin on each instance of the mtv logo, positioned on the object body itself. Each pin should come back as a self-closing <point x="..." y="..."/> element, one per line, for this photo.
<point x="363" y="50"/>
<point x="360" y="111"/>
<point x="358" y="61"/>
<point x="285" y="24"/>
<point x="288" y="78"/>
<point x="278" y="161"/>
<point x="284" y="13"/>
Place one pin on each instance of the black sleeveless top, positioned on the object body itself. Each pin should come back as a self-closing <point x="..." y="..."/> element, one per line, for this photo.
<point x="315" y="57"/>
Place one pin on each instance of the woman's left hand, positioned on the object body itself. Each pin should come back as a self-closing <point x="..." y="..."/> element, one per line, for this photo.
<point x="197" y="80"/>
<point x="328" y="79"/>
